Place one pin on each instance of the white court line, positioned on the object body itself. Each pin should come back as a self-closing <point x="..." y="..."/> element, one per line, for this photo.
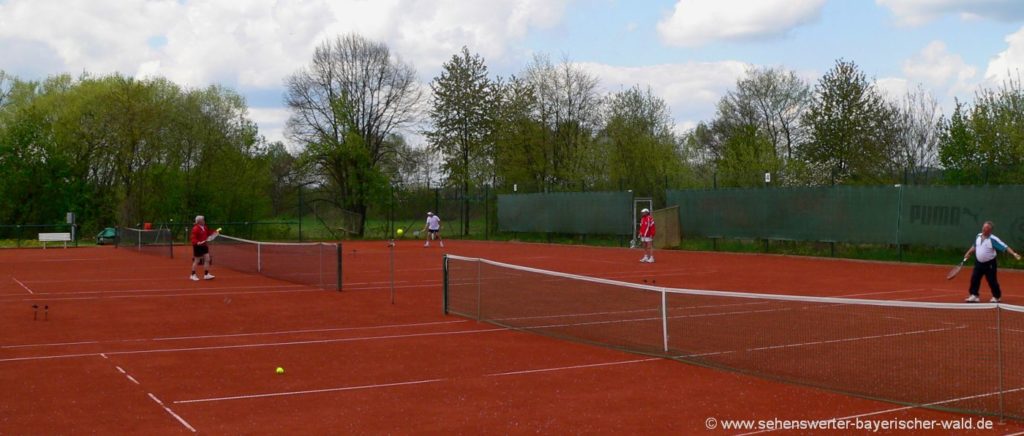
<point x="121" y="370"/>
<point x="312" y="330"/>
<point x="175" y="415"/>
<point x="829" y="341"/>
<point x="207" y="294"/>
<point x="191" y="294"/>
<point x="212" y="288"/>
<point x="407" y="383"/>
<point x="22" y="285"/>
<point x="313" y="391"/>
<point x="900" y="409"/>
<point x="47" y="345"/>
<point x="267" y="344"/>
<point x="132" y="379"/>
<point x="280" y="332"/>
<point x="593" y="365"/>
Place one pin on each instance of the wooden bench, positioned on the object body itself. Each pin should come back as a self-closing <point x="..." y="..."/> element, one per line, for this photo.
<point x="55" y="237"/>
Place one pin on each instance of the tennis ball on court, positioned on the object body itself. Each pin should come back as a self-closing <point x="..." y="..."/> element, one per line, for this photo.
<point x="279" y="370"/>
<point x="399" y="232"/>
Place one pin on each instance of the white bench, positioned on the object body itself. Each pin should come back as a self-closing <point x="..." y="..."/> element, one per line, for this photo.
<point x="55" y="237"/>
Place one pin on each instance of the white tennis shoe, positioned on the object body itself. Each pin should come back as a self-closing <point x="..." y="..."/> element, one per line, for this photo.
<point x="194" y="278"/>
<point x="208" y="276"/>
<point x="994" y="300"/>
<point x="972" y="299"/>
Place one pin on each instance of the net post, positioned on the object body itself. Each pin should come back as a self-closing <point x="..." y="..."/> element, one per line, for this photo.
<point x="337" y="250"/>
<point x="444" y="293"/>
<point x="259" y="257"/>
<point x="479" y="291"/>
<point x="664" y="320"/>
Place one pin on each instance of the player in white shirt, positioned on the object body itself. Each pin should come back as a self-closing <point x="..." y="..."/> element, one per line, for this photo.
<point x="986" y="245"/>
<point x="433" y="228"/>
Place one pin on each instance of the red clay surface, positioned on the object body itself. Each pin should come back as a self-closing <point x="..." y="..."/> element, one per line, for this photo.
<point x="131" y="346"/>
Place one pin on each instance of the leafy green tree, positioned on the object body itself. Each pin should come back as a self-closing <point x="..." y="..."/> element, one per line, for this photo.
<point x="522" y="145"/>
<point x="771" y="101"/>
<point x="642" y="149"/>
<point x="463" y="118"/>
<point x="851" y="129"/>
<point x="984" y="143"/>
<point x="568" y="105"/>
<point x="344" y="105"/>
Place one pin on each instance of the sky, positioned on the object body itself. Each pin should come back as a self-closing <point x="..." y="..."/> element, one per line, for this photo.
<point x="689" y="52"/>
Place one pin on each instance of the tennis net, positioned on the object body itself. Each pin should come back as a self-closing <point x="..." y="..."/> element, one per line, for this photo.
<point x="159" y="242"/>
<point x="314" y="264"/>
<point x="960" y="357"/>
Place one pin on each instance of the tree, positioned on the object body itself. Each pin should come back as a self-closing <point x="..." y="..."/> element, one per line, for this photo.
<point x="463" y="117"/>
<point x="118" y="150"/>
<point x="568" y="105"/>
<point x="344" y="105"/>
<point x="851" y="128"/>
<point x="917" y="133"/>
<point x="985" y="143"/>
<point x="772" y="102"/>
<point x="642" y="149"/>
<point x="521" y="144"/>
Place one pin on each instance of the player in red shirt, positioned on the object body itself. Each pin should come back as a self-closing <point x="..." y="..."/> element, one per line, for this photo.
<point x="200" y="251"/>
<point x="646" y="234"/>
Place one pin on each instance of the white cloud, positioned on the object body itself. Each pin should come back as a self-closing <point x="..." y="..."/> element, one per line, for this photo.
<point x="691" y="90"/>
<point x="698" y="22"/>
<point x="252" y="44"/>
<point x="894" y="88"/>
<point x="938" y="69"/>
<point x="271" y="121"/>
<point x="1010" y="62"/>
<point x="917" y="12"/>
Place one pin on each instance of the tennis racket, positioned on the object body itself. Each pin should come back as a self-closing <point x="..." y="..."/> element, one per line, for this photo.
<point x="632" y="243"/>
<point x="213" y="235"/>
<point x="956" y="270"/>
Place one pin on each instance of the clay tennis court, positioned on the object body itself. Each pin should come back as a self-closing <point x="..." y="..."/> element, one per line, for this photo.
<point x="127" y="344"/>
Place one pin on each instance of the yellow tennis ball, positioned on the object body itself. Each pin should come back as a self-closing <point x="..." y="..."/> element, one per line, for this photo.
<point x="399" y="232"/>
<point x="218" y="229"/>
<point x="280" y="370"/>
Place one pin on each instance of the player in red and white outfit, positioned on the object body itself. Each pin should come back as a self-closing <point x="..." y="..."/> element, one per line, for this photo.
<point x="200" y="251"/>
<point x="646" y="234"/>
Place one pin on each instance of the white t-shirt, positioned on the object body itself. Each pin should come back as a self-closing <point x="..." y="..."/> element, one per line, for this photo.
<point x="985" y="248"/>
<point x="433" y="222"/>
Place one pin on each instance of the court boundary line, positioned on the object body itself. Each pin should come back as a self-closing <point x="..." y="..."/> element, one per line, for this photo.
<point x="242" y="346"/>
<point x="413" y="382"/>
<point x="22" y="285"/>
<point x="233" y="335"/>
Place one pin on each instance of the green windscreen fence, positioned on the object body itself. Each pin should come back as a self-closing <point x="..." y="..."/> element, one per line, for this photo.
<point x="941" y="216"/>
<point x="584" y="213"/>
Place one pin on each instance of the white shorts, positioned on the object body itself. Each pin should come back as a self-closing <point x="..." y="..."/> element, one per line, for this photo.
<point x="643" y="239"/>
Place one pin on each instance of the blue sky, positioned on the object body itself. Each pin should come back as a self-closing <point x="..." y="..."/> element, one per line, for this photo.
<point x="690" y="52"/>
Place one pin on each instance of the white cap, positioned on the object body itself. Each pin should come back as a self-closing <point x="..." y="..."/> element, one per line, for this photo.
<point x="430" y="213"/>
<point x="645" y="211"/>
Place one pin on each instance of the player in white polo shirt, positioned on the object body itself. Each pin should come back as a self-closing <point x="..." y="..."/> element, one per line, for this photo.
<point x="433" y="228"/>
<point x="986" y="245"/>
